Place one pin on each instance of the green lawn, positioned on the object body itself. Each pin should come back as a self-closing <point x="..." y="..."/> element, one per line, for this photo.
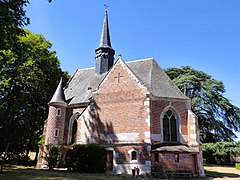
<point x="20" y="172"/>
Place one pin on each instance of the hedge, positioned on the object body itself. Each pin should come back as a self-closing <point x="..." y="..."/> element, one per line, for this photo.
<point x="86" y="158"/>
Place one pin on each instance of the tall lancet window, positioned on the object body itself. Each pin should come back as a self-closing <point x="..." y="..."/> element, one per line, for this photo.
<point x="170" y="132"/>
<point x="74" y="132"/>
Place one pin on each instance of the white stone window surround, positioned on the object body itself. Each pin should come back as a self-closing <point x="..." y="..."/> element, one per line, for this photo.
<point x="178" y="119"/>
<point x="59" y="112"/>
<point x="74" y="117"/>
<point x="56" y="132"/>
<point x="130" y="152"/>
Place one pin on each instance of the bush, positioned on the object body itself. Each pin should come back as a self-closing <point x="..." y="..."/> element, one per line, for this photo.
<point x="237" y="165"/>
<point x="52" y="156"/>
<point x="204" y="161"/>
<point x="86" y="158"/>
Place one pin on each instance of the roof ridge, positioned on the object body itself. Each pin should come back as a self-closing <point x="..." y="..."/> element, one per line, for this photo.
<point x="137" y="60"/>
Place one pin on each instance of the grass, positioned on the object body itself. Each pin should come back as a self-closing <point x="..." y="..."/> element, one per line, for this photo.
<point x="23" y="173"/>
<point x="237" y="165"/>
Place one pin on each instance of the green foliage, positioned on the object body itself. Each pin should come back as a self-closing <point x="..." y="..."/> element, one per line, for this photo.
<point x="204" y="161"/>
<point x="52" y="156"/>
<point x="222" y="148"/>
<point x="237" y="165"/>
<point x="86" y="158"/>
<point x="220" y="152"/>
<point x="12" y="18"/>
<point x="217" y="116"/>
<point x="29" y="76"/>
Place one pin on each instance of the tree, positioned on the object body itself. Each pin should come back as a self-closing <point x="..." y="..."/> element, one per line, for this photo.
<point x="12" y="19"/>
<point x="220" y="152"/>
<point x="218" y="118"/>
<point x="29" y="76"/>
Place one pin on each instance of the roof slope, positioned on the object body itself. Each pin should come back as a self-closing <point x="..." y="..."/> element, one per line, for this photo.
<point x="79" y="88"/>
<point x="155" y="79"/>
<point x="58" y="96"/>
<point x="84" y="81"/>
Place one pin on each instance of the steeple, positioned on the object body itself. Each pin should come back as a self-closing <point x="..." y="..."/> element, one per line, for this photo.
<point x="104" y="53"/>
<point x="58" y="97"/>
<point x="105" y="38"/>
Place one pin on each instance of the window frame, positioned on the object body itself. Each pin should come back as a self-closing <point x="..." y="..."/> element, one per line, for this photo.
<point x="56" y="132"/>
<point x="131" y="160"/>
<point x="59" y="112"/>
<point x="177" y="123"/>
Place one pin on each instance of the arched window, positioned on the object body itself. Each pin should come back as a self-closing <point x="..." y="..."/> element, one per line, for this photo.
<point x="72" y="129"/>
<point x="134" y="155"/>
<point x="170" y="131"/>
<point x="74" y="132"/>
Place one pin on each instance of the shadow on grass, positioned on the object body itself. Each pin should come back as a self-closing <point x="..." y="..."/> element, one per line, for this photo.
<point x="215" y="174"/>
<point x="21" y="172"/>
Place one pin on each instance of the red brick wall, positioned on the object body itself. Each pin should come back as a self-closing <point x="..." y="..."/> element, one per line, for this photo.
<point x="167" y="160"/>
<point x="124" y="157"/>
<point x="55" y="122"/>
<point x="120" y="104"/>
<point x="157" y="108"/>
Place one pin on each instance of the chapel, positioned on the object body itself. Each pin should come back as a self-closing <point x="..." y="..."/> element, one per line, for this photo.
<point x="131" y="108"/>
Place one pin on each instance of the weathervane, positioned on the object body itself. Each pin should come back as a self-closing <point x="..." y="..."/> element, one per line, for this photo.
<point x="106" y="6"/>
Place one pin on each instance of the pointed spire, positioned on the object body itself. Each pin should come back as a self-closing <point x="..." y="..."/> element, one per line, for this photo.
<point x="58" y="96"/>
<point x="105" y="38"/>
<point x="104" y="53"/>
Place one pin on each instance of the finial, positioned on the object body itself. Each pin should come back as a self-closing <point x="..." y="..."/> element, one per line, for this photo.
<point x="119" y="56"/>
<point x="106" y="6"/>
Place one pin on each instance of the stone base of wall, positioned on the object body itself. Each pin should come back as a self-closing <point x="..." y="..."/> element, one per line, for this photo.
<point x="127" y="168"/>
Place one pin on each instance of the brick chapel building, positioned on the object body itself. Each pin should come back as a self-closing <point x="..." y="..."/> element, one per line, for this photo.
<point x="131" y="108"/>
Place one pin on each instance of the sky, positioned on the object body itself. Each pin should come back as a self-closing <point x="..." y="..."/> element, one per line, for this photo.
<point x="202" y="34"/>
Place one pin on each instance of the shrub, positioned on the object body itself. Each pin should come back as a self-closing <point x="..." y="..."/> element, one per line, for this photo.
<point x="52" y="156"/>
<point x="204" y="161"/>
<point x="237" y="165"/>
<point x="86" y="158"/>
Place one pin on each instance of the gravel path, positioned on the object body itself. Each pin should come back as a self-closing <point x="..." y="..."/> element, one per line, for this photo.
<point x="224" y="172"/>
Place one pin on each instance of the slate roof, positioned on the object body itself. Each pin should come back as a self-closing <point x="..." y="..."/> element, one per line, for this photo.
<point x="79" y="88"/>
<point x="176" y="148"/>
<point x="58" y="96"/>
<point x="105" y="38"/>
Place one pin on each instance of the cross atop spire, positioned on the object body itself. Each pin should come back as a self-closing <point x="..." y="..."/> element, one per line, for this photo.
<point x="106" y="6"/>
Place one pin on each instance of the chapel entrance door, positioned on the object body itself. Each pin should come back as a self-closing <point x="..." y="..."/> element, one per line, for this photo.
<point x="194" y="158"/>
<point x="109" y="165"/>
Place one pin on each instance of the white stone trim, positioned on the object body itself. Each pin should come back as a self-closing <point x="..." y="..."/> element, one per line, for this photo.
<point x="56" y="132"/>
<point x="193" y="127"/>
<point x="148" y="120"/>
<point x="71" y="121"/>
<point x="193" y="136"/>
<point x="58" y="112"/>
<point x="146" y="103"/>
<point x="127" y="168"/>
<point x="137" y="156"/>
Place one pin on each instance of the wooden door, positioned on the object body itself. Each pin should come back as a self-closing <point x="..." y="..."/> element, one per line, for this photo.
<point x="194" y="159"/>
<point x="109" y="165"/>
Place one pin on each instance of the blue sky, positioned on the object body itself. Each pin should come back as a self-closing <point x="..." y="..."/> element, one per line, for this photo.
<point x="203" y="34"/>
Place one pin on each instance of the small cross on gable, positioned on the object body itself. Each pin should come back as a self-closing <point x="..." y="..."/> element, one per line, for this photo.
<point x="118" y="77"/>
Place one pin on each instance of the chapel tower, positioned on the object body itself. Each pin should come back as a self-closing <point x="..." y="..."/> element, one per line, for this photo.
<point x="56" y="117"/>
<point x="104" y="53"/>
